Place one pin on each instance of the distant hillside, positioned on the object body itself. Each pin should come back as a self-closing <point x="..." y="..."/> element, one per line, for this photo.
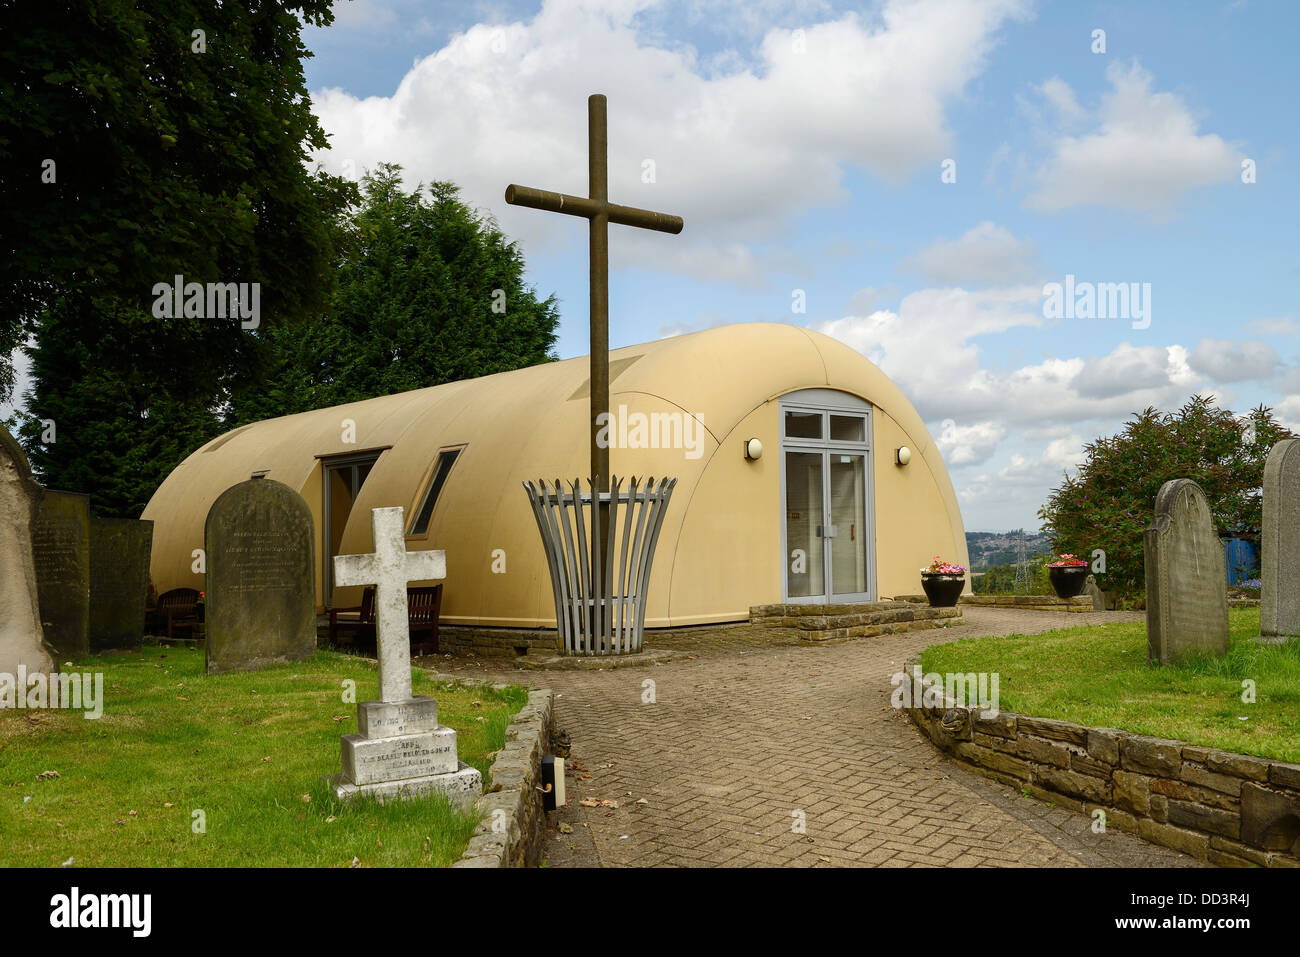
<point x="988" y="549"/>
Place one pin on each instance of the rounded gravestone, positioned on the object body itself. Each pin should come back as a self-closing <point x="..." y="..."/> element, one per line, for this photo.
<point x="1186" y="577"/>
<point x="261" y="578"/>
<point x="21" y="636"/>
<point x="1279" y="605"/>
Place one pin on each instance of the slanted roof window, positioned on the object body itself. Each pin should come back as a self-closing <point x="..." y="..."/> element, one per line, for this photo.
<point x="446" y="459"/>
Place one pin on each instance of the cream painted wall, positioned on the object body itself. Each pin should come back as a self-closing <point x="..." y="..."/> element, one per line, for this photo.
<point x="912" y="523"/>
<point x="719" y="551"/>
<point x="730" y="529"/>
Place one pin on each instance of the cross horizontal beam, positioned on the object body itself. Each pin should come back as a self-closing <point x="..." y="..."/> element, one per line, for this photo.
<point x="589" y="208"/>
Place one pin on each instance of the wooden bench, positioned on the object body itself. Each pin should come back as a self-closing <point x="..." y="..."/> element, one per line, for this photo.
<point x="423" y="606"/>
<point x="178" y="608"/>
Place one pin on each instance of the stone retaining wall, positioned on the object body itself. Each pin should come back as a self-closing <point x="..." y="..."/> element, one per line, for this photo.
<point x="857" y="620"/>
<point x="514" y="820"/>
<point x="476" y="641"/>
<point x="1232" y="810"/>
<point x="1078" y="604"/>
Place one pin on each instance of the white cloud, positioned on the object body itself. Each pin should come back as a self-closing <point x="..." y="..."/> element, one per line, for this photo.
<point x="1276" y="326"/>
<point x="1058" y="93"/>
<point x="985" y="253"/>
<point x="864" y="300"/>
<point x="1226" y="361"/>
<point x="965" y="445"/>
<point x="1144" y="153"/>
<point x="738" y="154"/>
<point x="1288" y="412"/>
<point x="1059" y="457"/>
<point x="1128" y="368"/>
<point x="927" y="348"/>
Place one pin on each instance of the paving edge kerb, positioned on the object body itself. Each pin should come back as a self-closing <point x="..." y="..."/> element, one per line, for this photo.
<point x="514" y="837"/>
<point x="1214" y="805"/>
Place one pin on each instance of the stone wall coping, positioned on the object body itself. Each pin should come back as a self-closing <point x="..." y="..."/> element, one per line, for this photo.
<point x="1213" y="804"/>
<point x="512" y="838"/>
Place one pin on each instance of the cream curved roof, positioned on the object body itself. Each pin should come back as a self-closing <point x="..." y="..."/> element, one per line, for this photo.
<point x="528" y="423"/>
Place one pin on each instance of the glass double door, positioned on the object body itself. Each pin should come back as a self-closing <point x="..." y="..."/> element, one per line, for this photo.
<point x="828" y="539"/>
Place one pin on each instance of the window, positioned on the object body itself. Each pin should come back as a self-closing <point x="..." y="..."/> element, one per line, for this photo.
<point x="848" y="428"/>
<point x="803" y="425"/>
<point x="441" y="469"/>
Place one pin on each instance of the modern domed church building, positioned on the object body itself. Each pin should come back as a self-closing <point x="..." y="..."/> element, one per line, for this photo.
<point x="823" y="507"/>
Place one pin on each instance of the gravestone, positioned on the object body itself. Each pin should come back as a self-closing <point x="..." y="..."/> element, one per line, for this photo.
<point x="1098" y="596"/>
<point x="1187" y="580"/>
<point x="400" y="750"/>
<point x="1279" y="604"/>
<point x="119" y="581"/>
<point x="21" y="635"/>
<point x="61" y="551"/>
<point x="261" y="577"/>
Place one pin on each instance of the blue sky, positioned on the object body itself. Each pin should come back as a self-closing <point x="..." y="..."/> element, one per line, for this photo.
<point x="803" y="144"/>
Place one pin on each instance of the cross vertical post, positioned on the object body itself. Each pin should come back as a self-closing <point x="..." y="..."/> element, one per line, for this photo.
<point x="599" y="212"/>
<point x="598" y="282"/>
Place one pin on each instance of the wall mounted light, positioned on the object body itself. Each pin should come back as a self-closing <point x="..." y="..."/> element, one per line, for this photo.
<point x="902" y="455"/>
<point x="753" y="449"/>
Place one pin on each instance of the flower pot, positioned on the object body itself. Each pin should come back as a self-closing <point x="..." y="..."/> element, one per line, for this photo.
<point x="1068" y="580"/>
<point x="942" y="590"/>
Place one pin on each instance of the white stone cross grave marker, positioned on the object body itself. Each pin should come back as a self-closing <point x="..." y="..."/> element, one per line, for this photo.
<point x="400" y="750"/>
<point x="390" y="567"/>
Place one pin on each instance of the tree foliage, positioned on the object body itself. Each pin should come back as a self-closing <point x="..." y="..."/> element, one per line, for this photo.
<point x="137" y="150"/>
<point x="428" y="291"/>
<point x="112" y="431"/>
<point x="1111" y="501"/>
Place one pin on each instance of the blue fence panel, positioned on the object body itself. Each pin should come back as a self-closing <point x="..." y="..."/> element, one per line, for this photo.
<point x="1242" y="557"/>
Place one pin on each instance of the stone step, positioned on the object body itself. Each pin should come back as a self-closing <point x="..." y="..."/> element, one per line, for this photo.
<point x="1081" y="603"/>
<point x="821" y="622"/>
<point x="1078" y="604"/>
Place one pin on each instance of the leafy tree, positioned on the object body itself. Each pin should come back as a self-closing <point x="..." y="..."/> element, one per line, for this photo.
<point x="118" y="433"/>
<point x="1111" y="502"/>
<point x="137" y="149"/>
<point x="428" y="291"/>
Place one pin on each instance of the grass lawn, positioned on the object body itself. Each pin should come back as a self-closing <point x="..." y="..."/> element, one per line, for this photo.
<point x="1098" y="675"/>
<point x="247" y="750"/>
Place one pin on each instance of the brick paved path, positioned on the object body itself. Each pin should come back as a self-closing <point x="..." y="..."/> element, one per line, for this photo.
<point x="749" y="732"/>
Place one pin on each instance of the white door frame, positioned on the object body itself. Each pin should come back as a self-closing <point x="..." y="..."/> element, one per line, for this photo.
<point x="827" y="402"/>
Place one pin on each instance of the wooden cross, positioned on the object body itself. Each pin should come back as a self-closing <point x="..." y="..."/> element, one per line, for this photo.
<point x="389" y="568"/>
<point x="600" y="212"/>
